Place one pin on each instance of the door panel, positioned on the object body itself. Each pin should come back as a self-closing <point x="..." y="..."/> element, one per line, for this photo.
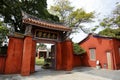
<point x="53" y="56"/>
<point x="109" y="60"/>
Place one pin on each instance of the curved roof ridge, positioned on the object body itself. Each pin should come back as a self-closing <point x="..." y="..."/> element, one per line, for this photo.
<point x="29" y="19"/>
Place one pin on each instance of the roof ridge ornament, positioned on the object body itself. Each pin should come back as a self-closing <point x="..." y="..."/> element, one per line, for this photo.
<point x="24" y="15"/>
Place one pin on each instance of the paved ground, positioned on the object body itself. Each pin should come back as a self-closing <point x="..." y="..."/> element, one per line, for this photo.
<point x="109" y="74"/>
<point x="82" y="73"/>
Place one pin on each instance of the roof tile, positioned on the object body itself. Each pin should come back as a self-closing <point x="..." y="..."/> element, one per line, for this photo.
<point x="45" y="24"/>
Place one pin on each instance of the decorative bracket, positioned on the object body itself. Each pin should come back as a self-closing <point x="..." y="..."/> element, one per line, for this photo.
<point x="28" y="30"/>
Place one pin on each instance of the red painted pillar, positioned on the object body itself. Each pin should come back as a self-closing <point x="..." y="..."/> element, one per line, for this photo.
<point x="14" y="55"/>
<point x="27" y="53"/>
<point x="32" y="68"/>
<point x="67" y="55"/>
<point x="113" y="56"/>
<point x="58" y="56"/>
<point x="2" y="64"/>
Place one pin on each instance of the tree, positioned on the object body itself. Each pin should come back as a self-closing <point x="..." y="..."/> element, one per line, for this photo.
<point x="114" y="33"/>
<point x="77" y="49"/>
<point x="114" y="20"/>
<point x="111" y="24"/>
<point x="78" y="17"/>
<point x="41" y="46"/>
<point x="62" y="9"/>
<point x="3" y="33"/>
<point x="70" y="16"/>
<point x="11" y="11"/>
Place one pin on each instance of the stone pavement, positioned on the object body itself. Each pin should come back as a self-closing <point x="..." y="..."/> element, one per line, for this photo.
<point x="81" y="73"/>
<point x="110" y="74"/>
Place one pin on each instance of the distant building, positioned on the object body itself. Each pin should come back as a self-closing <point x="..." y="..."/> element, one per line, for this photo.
<point x="43" y="52"/>
<point x="105" y="50"/>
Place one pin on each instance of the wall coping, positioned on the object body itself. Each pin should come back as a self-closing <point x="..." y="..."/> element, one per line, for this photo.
<point x="17" y="35"/>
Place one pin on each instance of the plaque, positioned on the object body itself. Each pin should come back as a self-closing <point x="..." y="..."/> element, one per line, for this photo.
<point x="46" y="34"/>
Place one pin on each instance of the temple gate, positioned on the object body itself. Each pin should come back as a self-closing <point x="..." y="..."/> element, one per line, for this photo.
<point x="22" y="47"/>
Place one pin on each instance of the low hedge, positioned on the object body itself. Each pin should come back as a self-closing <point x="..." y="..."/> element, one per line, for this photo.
<point x="3" y="50"/>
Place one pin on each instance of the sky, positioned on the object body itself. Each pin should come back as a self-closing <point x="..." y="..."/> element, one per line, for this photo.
<point x="101" y="7"/>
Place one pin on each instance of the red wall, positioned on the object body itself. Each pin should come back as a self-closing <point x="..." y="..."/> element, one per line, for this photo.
<point x="116" y="45"/>
<point x="2" y="64"/>
<point x="14" y="56"/>
<point x="65" y="59"/>
<point x="102" y="45"/>
<point x="14" y="60"/>
<point x="58" y="56"/>
<point x="21" y="56"/>
<point x="76" y="60"/>
<point x="64" y="55"/>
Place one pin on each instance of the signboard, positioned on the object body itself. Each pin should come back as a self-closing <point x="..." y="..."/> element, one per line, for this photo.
<point x="46" y="34"/>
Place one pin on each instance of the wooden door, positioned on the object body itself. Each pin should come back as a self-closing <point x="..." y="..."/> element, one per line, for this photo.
<point x="109" y="60"/>
<point x="53" y="62"/>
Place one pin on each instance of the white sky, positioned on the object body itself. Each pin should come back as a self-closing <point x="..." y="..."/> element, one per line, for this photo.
<point x="104" y="7"/>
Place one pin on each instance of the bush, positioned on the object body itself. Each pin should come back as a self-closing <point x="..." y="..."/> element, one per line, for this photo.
<point x="77" y="49"/>
<point x="39" y="61"/>
<point x="3" y="50"/>
<point x="46" y="66"/>
<point x="3" y="33"/>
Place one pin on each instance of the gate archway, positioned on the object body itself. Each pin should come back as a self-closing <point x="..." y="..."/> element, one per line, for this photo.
<point x="22" y="47"/>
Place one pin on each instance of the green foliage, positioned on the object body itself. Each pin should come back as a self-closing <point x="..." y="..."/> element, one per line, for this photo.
<point x="39" y="61"/>
<point x="62" y="9"/>
<point x="115" y="33"/>
<point x="11" y="11"/>
<point x="95" y="28"/>
<point x="103" y="24"/>
<point x="108" y="23"/>
<point x="114" y="20"/>
<point x="70" y="16"/>
<point x="80" y="16"/>
<point x="77" y="49"/>
<point x="41" y="46"/>
<point x="3" y="33"/>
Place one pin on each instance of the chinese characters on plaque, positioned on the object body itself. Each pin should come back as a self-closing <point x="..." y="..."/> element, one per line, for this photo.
<point x="45" y="34"/>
